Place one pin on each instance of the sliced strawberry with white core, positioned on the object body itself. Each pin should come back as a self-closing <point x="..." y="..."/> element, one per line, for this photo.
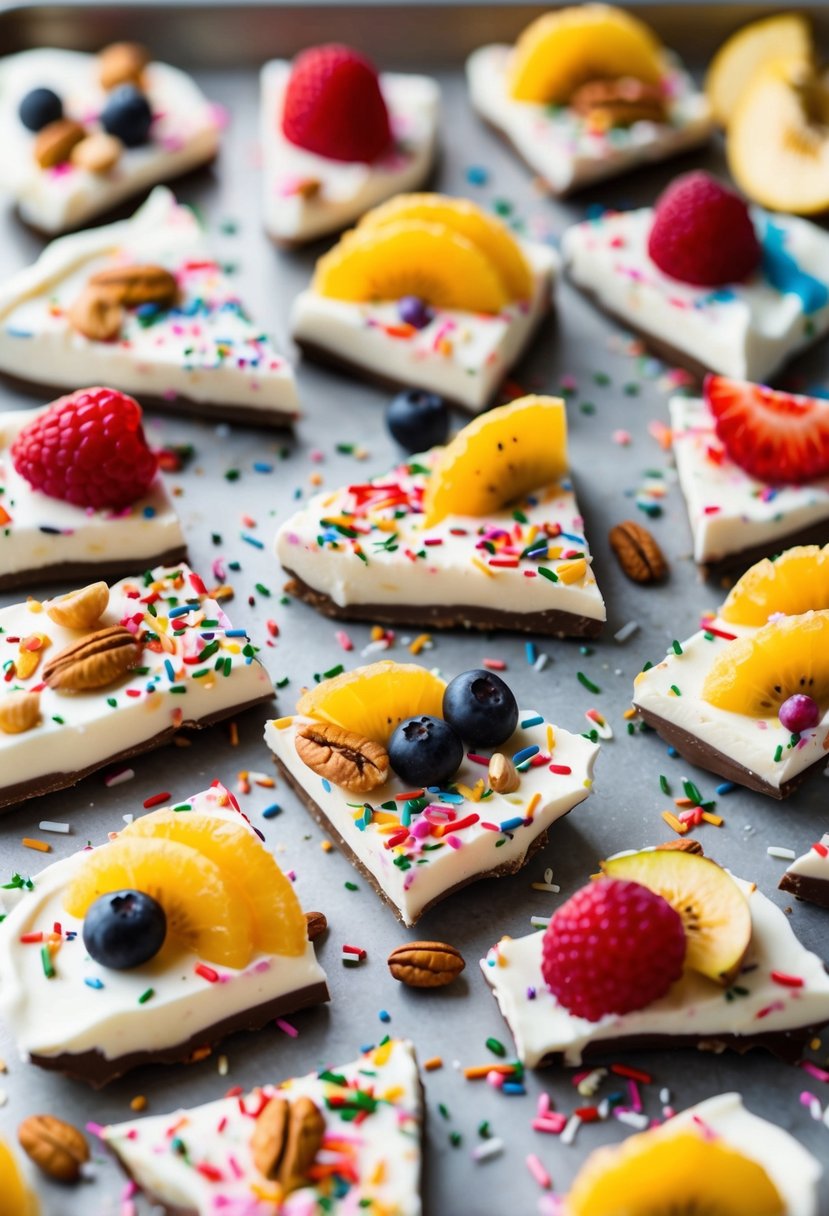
<point x="779" y="438"/>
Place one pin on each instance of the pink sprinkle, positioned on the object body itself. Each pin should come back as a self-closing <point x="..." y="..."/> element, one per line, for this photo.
<point x="454" y="842"/>
<point x="538" y="1172"/>
<point x="344" y="640"/>
<point x="623" y="438"/>
<point x="543" y="1104"/>
<point x="478" y="759"/>
<point x="552" y="1124"/>
<point x="635" y="1097"/>
<point x="495" y="1079"/>
<point x="820" y="1074"/>
<point x="287" y="1028"/>
<point x="494" y="665"/>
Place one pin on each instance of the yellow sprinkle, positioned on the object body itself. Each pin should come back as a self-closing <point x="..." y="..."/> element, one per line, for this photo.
<point x="40" y="845"/>
<point x="377" y="632"/>
<point x="315" y="479"/>
<point x="551" y="739"/>
<point x="588" y="783"/>
<point x="393" y="1094"/>
<point x="477" y="1072"/>
<point x="432" y="1063"/>
<point x="484" y="569"/>
<point x="384" y="525"/>
<point x="378" y="1175"/>
<point x="281" y="723"/>
<point x="554" y="552"/>
<point x="326" y="846"/>
<point x="233" y="733"/>
<point x="139" y="1102"/>
<point x="380" y="1055"/>
<point x="814" y="1046"/>
<point x="534" y="801"/>
<point x="709" y="817"/>
<point x="629" y="713"/>
<point x="420" y="641"/>
<point x="34" y="606"/>
<point x="531" y="534"/>
<point x="386" y="818"/>
<point x="673" y="822"/>
<point x="573" y="572"/>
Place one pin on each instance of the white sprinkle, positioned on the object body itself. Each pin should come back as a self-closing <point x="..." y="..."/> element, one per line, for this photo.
<point x="548" y="874"/>
<point x="664" y="1095"/>
<point x="373" y="647"/>
<point x="816" y="1110"/>
<point x="782" y="854"/>
<point x="88" y="1171"/>
<point x="118" y="778"/>
<point x="48" y="825"/>
<point x="571" y="1127"/>
<point x="541" y="662"/>
<point x="589" y="1085"/>
<point x="4" y="1097"/>
<point x="128" y="818"/>
<point x="553" y="887"/>
<point x="540" y="922"/>
<point x="826" y="1116"/>
<point x="223" y="1066"/>
<point x="490" y="1148"/>
<point x="627" y="631"/>
<point x="604" y="1108"/>
<point x="632" y="1118"/>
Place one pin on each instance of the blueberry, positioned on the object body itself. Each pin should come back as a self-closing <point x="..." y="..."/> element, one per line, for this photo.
<point x="481" y="707"/>
<point x="127" y="114"/>
<point x="418" y="420"/>
<point x="40" y="107"/>
<point x="425" y="751"/>
<point x="415" y="311"/>
<point x="124" y="929"/>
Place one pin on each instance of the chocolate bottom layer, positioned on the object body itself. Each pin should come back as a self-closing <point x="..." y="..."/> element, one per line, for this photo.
<point x="12" y="795"/>
<point x="807" y="887"/>
<point x="696" y="752"/>
<point x="78" y="572"/>
<point x="97" y="1070"/>
<point x="786" y="1045"/>
<point x="737" y="563"/>
<point x="553" y="622"/>
<point x="501" y="871"/>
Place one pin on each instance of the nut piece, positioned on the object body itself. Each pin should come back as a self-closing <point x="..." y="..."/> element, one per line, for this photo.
<point x="19" y="712"/>
<point x="269" y="1134"/>
<point x="503" y="775"/>
<point x="348" y="760"/>
<point x="80" y="609"/>
<point x="426" y="964"/>
<point x="681" y="846"/>
<point x="286" y="1140"/>
<point x="58" y="1148"/>
<point x="95" y="661"/>
<point x="122" y="63"/>
<point x="134" y="285"/>
<point x="56" y="140"/>
<point x="29" y="653"/>
<point x="317" y="925"/>
<point x="637" y="552"/>
<point x="96" y="315"/>
<point x="619" y="103"/>
<point x="98" y="153"/>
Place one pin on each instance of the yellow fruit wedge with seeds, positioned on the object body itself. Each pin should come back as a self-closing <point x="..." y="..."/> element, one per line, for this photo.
<point x="372" y="701"/>
<point x="499" y="458"/>
<point x="205" y="910"/>
<point x="755" y="675"/>
<point x="279" y="925"/>
<point x="749" y="51"/>
<point x="411" y="257"/>
<point x="564" y="49"/>
<point x="15" y="1197"/>
<point x="491" y="236"/>
<point x="665" y="1173"/>
<point x="797" y="582"/>
<point x="715" y="913"/>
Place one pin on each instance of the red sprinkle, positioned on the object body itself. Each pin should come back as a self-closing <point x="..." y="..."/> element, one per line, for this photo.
<point x="28" y="938"/>
<point x="820" y="849"/>
<point x="157" y="799"/>
<point x="495" y="664"/>
<point x="787" y="981"/>
<point x="718" y="633"/>
<point x="587" y="1114"/>
<point x="632" y="1074"/>
<point x="562" y="769"/>
<point x="207" y="973"/>
<point x="357" y="950"/>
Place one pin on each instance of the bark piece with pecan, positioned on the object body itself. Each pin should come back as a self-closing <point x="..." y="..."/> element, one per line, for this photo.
<point x="346" y="759"/>
<point x="93" y="662"/>
<point x="638" y="552"/>
<point x="286" y="1140"/>
<point x="619" y="103"/>
<point x="56" y="1147"/>
<point x="425" y="964"/>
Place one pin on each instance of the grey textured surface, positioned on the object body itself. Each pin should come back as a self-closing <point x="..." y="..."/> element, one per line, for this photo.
<point x="624" y="810"/>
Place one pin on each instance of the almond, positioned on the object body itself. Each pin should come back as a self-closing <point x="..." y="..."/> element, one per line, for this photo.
<point x="348" y="760"/>
<point x="637" y="552"/>
<point x="80" y="609"/>
<point x="286" y="1140"/>
<point x="98" y="153"/>
<point x="317" y="925"/>
<point x="95" y="661"/>
<point x="58" y="1148"/>
<point x="134" y="285"/>
<point x="426" y="964"/>
<point x="19" y="712"/>
<point x="97" y="315"/>
<point x="268" y="1140"/>
<point x="55" y="142"/>
<point x="122" y="63"/>
<point x="681" y="846"/>
<point x="503" y="775"/>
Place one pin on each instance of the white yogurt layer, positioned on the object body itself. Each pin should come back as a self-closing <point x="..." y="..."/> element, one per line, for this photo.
<point x="562" y="147"/>
<point x="461" y="355"/>
<point x="761" y="745"/>
<point x="379" y="1153"/>
<point x="813" y="865"/>
<point x="194" y="665"/>
<point x="38" y="532"/>
<point x="693" y="1005"/>
<point x="485" y="563"/>
<point x="205" y="348"/>
<point x="307" y="195"/>
<point x="729" y="510"/>
<point x="746" y="330"/>
<point x="85" y="1006"/>
<point x="184" y="134"/>
<point x="415" y="854"/>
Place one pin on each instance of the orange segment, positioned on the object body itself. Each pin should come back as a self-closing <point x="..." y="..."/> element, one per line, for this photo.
<point x="756" y="675"/>
<point x="797" y="582"/>
<point x="17" y="1199"/>
<point x="279" y="925"/>
<point x="206" y="911"/>
<point x="500" y="457"/>
<point x="372" y="701"/>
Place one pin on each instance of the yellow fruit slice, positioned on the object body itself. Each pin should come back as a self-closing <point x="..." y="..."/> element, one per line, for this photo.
<point x="778" y="140"/>
<point x="662" y="1172"/>
<point x="411" y="258"/>
<point x="756" y="675"/>
<point x="500" y="457"/>
<point x="797" y="582"/>
<point x="749" y="51"/>
<point x="714" y="911"/>
<point x="562" y="50"/>
<point x="279" y="925"/>
<point x="15" y="1197"/>
<point x="372" y="701"/>
<point x="205" y="910"/>
<point x="463" y="217"/>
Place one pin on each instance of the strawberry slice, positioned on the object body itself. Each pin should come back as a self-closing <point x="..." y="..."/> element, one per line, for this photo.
<point x="779" y="438"/>
<point x="334" y="106"/>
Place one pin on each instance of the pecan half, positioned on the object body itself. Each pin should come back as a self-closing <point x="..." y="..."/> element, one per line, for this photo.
<point x="619" y="103"/>
<point x="80" y="609"/>
<point x="637" y="552"/>
<point x="286" y="1140"/>
<point x="98" y="152"/>
<point x="58" y="1148"/>
<point x="134" y="285"/>
<point x="95" y="661"/>
<point x="96" y="315"/>
<point x="348" y="760"/>
<point x="681" y="846"/>
<point x="503" y="775"/>
<point x="122" y="63"/>
<point x="317" y="925"/>
<point x="426" y="964"/>
<point x="19" y="712"/>
<point x="56" y="140"/>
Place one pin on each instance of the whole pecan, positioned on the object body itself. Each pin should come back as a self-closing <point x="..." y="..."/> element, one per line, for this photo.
<point x="138" y="284"/>
<point x="425" y="964"/>
<point x="96" y="315"/>
<point x="55" y="142"/>
<point x="355" y="763"/>
<point x="620" y="102"/>
<point x="286" y="1140"/>
<point x="58" y="1148"/>
<point x="95" y="661"/>
<point x="638" y="553"/>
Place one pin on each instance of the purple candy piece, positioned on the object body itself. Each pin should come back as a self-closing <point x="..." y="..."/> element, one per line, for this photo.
<point x="414" y="311"/>
<point x="799" y="713"/>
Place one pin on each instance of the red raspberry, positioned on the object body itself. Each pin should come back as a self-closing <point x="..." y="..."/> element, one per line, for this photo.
<point x="334" y="106"/>
<point x="614" y="947"/>
<point x="88" y="449"/>
<point x="703" y="233"/>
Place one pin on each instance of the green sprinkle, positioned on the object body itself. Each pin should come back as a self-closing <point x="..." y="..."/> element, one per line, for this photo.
<point x="444" y="1110"/>
<point x="262" y="589"/>
<point x="111" y="702"/>
<point x="232" y="475"/>
<point x="778" y="753"/>
<point x="145" y="996"/>
<point x="520" y="517"/>
<point x="333" y="671"/>
<point x="663" y="784"/>
<point x="484" y="1129"/>
<point x="587" y="407"/>
<point x="676" y="647"/>
<point x="675" y="691"/>
<point x="455" y="1139"/>
<point x="496" y="1047"/>
<point x="549" y="574"/>
<point x="692" y="792"/>
<point x="351" y="886"/>
<point x="647" y="666"/>
<point x="46" y="962"/>
<point x="588" y="684"/>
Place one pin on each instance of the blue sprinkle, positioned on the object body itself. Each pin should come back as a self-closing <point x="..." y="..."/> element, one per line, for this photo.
<point x="18" y="333"/>
<point x="385" y="1016"/>
<point x="531" y="993"/>
<point x="93" y="983"/>
<point x="530" y="651"/>
<point x="181" y="611"/>
<point x="513" y="1087"/>
<point x="782" y="270"/>
<point x="509" y="825"/>
<point x="725" y="787"/>
<point x="148" y="512"/>
<point x="168" y="667"/>
<point x="271" y="812"/>
<point x="236" y="633"/>
<point x="672" y="752"/>
<point x="446" y="796"/>
<point x="262" y="466"/>
<point x="526" y="753"/>
<point x="535" y="720"/>
<point x="252" y="540"/>
<point x="326" y="785"/>
<point x="477" y="175"/>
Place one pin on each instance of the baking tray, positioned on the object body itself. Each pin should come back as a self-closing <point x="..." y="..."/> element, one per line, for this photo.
<point x="224" y="47"/>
